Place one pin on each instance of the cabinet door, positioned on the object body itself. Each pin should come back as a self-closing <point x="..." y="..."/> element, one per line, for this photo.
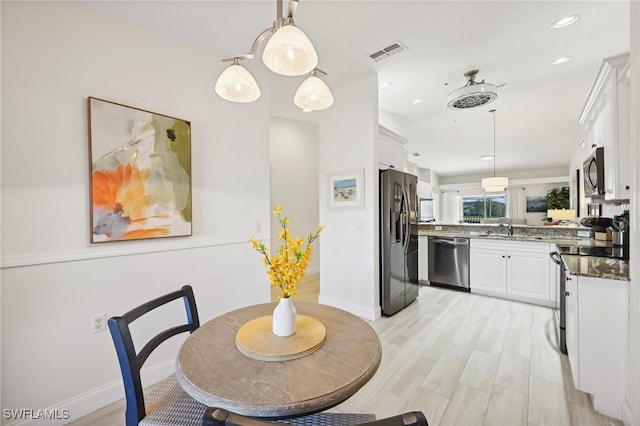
<point x="528" y="274"/>
<point x="618" y="174"/>
<point x="487" y="271"/>
<point x="571" y="304"/>
<point x="602" y="316"/>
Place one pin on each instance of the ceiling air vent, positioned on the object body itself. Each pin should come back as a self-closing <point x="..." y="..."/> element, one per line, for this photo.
<point x="387" y="52"/>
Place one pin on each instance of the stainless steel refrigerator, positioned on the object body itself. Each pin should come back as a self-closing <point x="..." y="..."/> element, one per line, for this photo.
<point x="398" y="240"/>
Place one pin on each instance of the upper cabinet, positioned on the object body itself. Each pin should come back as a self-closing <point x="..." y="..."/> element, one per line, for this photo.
<point x="605" y="118"/>
<point x="391" y="151"/>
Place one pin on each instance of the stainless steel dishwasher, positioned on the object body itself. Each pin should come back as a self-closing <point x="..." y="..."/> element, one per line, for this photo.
<point x="449" y="262"/>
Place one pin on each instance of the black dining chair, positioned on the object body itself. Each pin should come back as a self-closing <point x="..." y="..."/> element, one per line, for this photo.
<point x="167" y="403"/>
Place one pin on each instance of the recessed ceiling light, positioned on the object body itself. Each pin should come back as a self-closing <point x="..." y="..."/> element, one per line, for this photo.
<point x="486" y="157"/>
<point x="565" y="22"/>
<point x="416" y="101"/>
<point x="385" y="85"/>
<point x="561" y="61"/>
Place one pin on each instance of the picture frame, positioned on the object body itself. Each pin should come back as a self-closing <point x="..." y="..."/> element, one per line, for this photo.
<point x="536" y="204"/>
<point x="346" y="190"/>
<point x="140" y="173"/>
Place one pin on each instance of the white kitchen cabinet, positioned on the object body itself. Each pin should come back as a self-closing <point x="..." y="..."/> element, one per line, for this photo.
<point x="390" y="150"/>
<point x="513" y="269"/>
<point x="605" y="118"/>
<point x="528" y="273"/>
<point x="487" y="270"/>
<point x="596" y="327"/>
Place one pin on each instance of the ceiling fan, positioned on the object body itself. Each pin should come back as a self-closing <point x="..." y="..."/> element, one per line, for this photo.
<point x="473" y="94"/>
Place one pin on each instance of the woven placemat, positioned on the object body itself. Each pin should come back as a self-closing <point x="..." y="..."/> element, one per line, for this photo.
<point x="256" y="340"/>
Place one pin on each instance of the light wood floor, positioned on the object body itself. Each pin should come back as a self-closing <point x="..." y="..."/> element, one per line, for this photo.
<point x="462" y="359"/>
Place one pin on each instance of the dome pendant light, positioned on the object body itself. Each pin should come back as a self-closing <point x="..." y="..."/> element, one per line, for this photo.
<point x="495" y="183"/>
<point x="290" y="52"/>
<point x="236" y="84"/>
<point x="313" y="94"/>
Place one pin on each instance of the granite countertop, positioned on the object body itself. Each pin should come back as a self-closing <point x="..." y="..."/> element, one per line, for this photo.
<point x="589" y="266"/>
<point x="597" y="267"/>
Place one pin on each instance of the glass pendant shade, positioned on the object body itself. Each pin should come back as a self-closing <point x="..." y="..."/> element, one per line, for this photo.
<point x="290" y="52"/>
<point x="495" y="184"/>
<point x="313" y="95"/>
<point x="236" y="84"/>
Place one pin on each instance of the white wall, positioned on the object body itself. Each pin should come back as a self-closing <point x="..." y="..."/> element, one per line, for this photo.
<point x="631" y="408"/>
<point x="54" y="55"/>
<point x="349" y="251"/>
<point x="294" y="180"/>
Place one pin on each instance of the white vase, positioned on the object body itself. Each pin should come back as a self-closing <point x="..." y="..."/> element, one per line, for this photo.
<point x="284" y="318"/>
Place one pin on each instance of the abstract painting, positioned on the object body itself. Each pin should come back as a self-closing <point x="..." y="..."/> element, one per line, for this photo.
<point x="346" y="190"/>
<point x="140" y="173"/>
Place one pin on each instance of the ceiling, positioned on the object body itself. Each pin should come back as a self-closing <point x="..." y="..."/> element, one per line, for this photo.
<point x="511" y="43"/>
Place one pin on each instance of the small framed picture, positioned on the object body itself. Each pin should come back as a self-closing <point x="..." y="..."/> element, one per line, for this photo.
<point x="536" y="204"/>
<point x="346" y="190"/>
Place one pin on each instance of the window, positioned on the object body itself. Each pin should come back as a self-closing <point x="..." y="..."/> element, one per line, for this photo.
<point x="483" y="206"/>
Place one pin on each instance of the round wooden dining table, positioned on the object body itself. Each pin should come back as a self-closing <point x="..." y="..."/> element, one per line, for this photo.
<point x="213" y="371"/>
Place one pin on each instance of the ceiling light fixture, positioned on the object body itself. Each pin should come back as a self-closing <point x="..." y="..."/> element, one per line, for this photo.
<point x="416" y="101"/>
<point x="565" y="22"/>
<point x="561" y="61"/>
<point x="487" y="157"/>
<point x="473" y="94"/>
<point x="494" y="183"/>
<point x="313" y="94"/>
<point x="385" y="85"/>
<point x="288" y="52"/>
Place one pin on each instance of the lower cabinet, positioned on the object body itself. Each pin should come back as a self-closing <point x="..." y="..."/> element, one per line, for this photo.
<point x="596" y="327"/>
<point x="512" y="269"/>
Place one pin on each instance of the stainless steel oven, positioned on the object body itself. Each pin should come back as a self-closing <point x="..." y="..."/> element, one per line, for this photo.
<point x="561" y="317"/>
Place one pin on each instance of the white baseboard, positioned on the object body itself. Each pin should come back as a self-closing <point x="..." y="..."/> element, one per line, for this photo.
<point x="95" y="399"/>
<point x="367" y="312"/>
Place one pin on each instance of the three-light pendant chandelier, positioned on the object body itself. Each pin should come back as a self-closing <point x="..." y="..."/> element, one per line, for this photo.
<point x="288" y="52"/>
<point x="494" y="183"/>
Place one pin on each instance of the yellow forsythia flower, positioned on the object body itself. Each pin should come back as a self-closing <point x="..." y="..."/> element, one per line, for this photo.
<point x="289" y="266"/>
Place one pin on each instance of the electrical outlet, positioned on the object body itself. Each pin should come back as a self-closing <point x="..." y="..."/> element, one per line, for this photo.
<point x="98" y="323"/>
<point x="438" y="228"/>
<point x="256" y="227"/>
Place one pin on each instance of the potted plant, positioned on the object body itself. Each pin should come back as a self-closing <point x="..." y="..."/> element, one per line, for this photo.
<point x="558" y="198"/>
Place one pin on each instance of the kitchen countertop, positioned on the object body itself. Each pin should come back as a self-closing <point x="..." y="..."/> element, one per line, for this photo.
<point x="597" y="267"/>
<point x="588" y="266"/>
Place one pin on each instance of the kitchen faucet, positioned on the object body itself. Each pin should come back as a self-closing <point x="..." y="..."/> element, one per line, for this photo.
<point x="508" y="227"/>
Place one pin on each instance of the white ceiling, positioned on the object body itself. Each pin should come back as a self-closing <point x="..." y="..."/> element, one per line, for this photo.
<point x="510" y="42"/>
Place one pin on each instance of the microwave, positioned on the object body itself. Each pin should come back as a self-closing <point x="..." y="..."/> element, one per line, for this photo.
<point x="593" y="173"/>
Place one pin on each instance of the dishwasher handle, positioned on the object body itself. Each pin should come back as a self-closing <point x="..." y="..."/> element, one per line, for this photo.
<point x="452" y="242"/>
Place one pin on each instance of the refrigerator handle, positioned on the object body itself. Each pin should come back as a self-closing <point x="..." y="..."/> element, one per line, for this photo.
<point x="407" y="218"/>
